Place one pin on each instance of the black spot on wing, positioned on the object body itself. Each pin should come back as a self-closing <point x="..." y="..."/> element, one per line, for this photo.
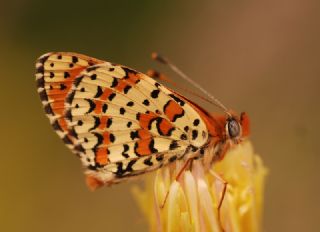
<point x="40" y="82"/>
<point x="148" y="162"/>
<point x="134" y="135"/>
<point x="194" y="134"/>
<point x="40" y="69"/>
<point x="114" y="82"/>
<point x="126" y="89"/>
<point x="70" y="97"/>
<point x="193" y="148"/>
<point x="173" y="158"/>
<point x="173" y="145"/>
<point x="146" y="102"/>
<point x="121" y="170"/>
<point x="99" y="140"/>
<point x="129" y="124"/>
<point x="177" y="99"/>
<point x="155" y="93"/>
<point x="125" y="149"/>
<point x="75" y="59"/>
<point x="111" y="96"/>
<point x="99" y="92"/>
<point x="151" y="146"/>
<point x="62" y="86"/>
<point x="43" y="59"/>
<point x="130" y="103"/>
<point x="73" y="133"/>
<point x="43" y="95"/>
<point x="91" y="68"/>
<point x="122" y="111"/>
<point x="48" y="109"/>
<point x="109" y="122"/>
<point x="92" y="105"/>
<point x="67" y="140"/>
<point x="138" y="116"/>
<point x="183" y="137"/>
<point x="128" y="71"/>
<point x="130" y="165"/>
<point x="104" y="108"/>
<point x="56" y="126"/>
<point x="68" y="115"/>
<point x="196" y="122"/>
<point x="66" y="74"/>
<point x="159" y="157"/>
<point x="79" y="148"/>
<point x="77" y="81"/>
<point x="112" y="138"/>
<point x="96" y="123"/>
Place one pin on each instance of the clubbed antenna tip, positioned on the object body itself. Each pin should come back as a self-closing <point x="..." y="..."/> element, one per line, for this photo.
<point x="156" y="56"/>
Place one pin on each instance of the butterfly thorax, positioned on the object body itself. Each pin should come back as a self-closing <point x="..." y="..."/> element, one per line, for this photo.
<point x="225" y="131"/>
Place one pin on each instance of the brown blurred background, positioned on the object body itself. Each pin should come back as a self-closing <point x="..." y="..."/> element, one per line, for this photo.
<point x="257" y="56"/>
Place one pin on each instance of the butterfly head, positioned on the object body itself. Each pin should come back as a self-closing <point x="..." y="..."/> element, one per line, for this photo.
<point x="228" y="130"/>
<point x="236" y="128"/>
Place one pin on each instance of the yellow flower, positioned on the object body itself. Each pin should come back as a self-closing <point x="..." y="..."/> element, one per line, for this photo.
<point x="192" y="202"/>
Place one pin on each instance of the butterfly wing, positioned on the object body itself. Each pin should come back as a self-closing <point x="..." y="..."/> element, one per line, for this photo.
<point x="55" y="73"/>
<point x="120" y="122"/>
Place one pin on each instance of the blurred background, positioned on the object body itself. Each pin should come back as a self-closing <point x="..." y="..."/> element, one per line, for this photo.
<point x="261" y="57"/>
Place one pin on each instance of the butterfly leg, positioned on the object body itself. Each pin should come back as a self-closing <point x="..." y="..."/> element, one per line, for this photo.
<point x="223" y="193"/>
<point x="183" y="168"/>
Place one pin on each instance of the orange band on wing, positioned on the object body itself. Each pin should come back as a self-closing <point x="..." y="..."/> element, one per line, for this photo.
<point x="173" y="110"/>
<point x="106" y="138"/>
<point x="143" y="134"/>
<point x="102" y="156"/>
<point x="122" y="84"/>
<point x="106" y="93"/>
<point x="165" y="127"/>
<point x="98" y="106"/>
<point x="146" y="119"/>
<point x="103" y="122"/>
<point x="143" y="147"/>
<point x="133" y="78"/>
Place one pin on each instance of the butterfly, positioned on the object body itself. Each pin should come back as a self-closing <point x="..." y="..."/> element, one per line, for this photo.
<point x="123" y="123"/>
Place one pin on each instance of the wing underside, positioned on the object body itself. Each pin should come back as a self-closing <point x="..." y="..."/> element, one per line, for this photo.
<point x="120" y="122"/>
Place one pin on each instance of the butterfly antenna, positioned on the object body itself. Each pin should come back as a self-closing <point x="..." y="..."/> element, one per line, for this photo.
<point x="155" y="74"/>
<point x="163" y="60"/>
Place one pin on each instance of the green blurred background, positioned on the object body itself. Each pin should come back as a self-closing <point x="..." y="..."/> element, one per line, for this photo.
<point x="257" y="56"/>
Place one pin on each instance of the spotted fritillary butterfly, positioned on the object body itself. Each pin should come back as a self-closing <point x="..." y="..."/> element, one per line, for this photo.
<point x="122" y="123"/>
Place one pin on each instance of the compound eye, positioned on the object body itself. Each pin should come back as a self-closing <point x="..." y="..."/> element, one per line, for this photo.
<point x="233" y="128"/>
